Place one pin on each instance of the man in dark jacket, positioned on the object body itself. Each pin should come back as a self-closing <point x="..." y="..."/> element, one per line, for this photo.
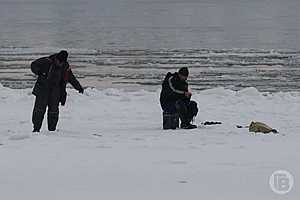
<point x="175" y="97"/>
<point x="50" y="88"/>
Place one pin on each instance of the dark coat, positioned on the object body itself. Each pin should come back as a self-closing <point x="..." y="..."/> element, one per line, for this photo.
<point x="173" y="89"/>
<point x="50" y="75"/>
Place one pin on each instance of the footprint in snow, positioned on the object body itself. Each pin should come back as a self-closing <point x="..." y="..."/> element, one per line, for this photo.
<point x="19" y="137"/>
<point x="97" y="135"/>
<point x="104" y="147"/>
<point x="172" y="162"/>
<point x="177" y="162"/>
<point x="139" y="139"/>
<point x="182" y="182"/>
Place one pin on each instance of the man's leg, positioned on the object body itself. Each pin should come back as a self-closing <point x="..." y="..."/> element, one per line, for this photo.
<point x="182" y="110"/>
<point x="192" y="110"/>
<point x="39" y="110"/>
<point x="186" y="110"/>
<point x="170" y="116"/>
<point x="53" y="110"/>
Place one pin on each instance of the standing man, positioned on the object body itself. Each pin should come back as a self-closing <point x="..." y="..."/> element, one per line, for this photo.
<point x="50" y="88"/>
<point x="175" y="97"/>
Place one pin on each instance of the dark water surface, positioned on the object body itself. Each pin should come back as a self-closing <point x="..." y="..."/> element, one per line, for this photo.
<point x="132" y="43"/>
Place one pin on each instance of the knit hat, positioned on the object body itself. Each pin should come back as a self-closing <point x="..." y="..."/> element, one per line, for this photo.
<point x="62" y="56"/>
<point x="184" y="71"/>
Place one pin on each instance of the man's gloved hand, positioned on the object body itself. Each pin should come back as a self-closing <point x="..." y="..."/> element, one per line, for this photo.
<point x="188" y="94"/>
<point x="42" y="74"/>
<point x="81" y="90"/>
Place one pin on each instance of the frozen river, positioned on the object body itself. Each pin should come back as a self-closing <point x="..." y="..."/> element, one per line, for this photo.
<point x="132" y="43"/>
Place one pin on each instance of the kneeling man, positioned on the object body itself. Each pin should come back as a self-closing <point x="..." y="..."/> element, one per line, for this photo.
<point x="175" y="97"/>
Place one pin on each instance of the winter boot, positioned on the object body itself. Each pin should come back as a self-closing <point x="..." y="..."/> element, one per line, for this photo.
<point x="36" y="130"/>
<point x="187" y="126"/>
<point x="52" y="120"/>
<point x="37" y="119"/>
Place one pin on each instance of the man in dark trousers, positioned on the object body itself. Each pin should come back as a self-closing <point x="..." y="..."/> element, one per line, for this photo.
<point x="50" y="88"/>
<point x="175" y="97"/>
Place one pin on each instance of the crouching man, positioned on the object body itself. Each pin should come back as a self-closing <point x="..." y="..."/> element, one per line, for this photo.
<point x="50" y="88"/>
<point x="175" y="98"/>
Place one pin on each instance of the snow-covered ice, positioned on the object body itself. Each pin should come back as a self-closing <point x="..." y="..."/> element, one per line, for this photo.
<point x="110" y="145"/>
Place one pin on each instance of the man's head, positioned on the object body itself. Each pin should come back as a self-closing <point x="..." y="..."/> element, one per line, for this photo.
<point x="183" y="73"/>
<point x="61" y="58"/>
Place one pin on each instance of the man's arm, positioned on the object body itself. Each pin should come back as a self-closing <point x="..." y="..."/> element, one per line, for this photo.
<point x="38" y="66"/>
<point x="172" y="85"/>
<point x="185" y="91"/>
<point x="74" y="82"/>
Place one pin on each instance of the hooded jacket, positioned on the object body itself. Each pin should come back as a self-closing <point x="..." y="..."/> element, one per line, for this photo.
<point x="50" y="75"/>
<point x="173" y="89"/>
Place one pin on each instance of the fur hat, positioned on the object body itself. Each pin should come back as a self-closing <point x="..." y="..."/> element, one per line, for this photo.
<point x="62" y="56"/>
<point x="184" y="71"/>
